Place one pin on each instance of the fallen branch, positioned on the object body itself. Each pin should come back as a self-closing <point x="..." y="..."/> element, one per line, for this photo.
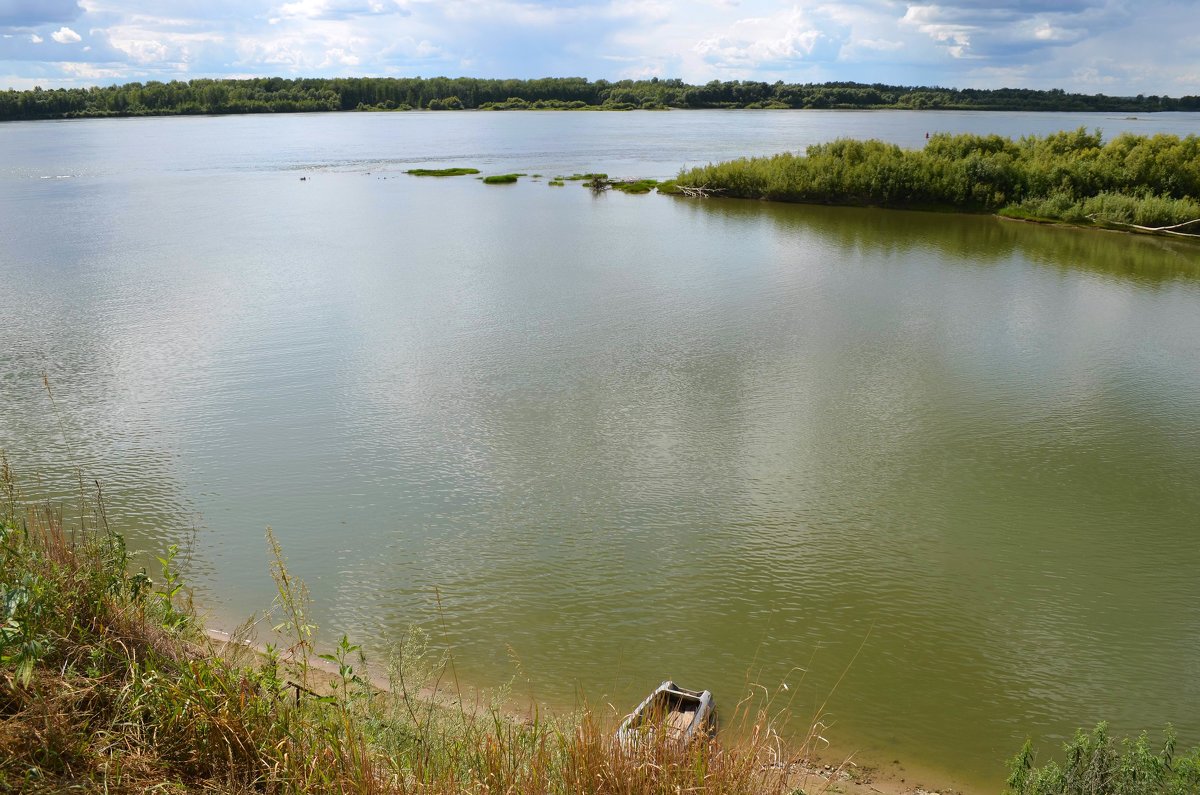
<point x="699" y="191"/>
<point x="1165" y="230"/>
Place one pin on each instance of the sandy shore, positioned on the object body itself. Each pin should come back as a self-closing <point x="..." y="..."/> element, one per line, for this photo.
<point x="830" y="776"/>
<point x="890" y="779"/>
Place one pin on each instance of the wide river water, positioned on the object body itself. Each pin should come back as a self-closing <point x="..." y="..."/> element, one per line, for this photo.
<point x="624" y="438"/>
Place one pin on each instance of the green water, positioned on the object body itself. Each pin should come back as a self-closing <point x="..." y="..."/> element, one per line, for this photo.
<point x="624" y="438"/>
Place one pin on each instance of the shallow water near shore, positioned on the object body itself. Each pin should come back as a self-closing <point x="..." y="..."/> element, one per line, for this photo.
<point x="594" y="442"/>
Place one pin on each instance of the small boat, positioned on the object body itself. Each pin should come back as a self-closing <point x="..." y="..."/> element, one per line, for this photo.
<point x="683" y="714"/>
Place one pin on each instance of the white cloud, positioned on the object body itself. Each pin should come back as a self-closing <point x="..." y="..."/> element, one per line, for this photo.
<point x="144" y="51"/>
<point x="878" y="45"/>
<point x="36" y="39"/>
<point x="339" y="57"/>
<point x="1005" y="29"/>
<point x="90" y="71"/>
<point x="339" y="9"/>
<point x="65" y="35"/>
<point x="780" y="38"/>
<point x="931" y="21"/>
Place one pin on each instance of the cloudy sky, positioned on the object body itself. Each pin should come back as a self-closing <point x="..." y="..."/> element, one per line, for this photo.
<point x="1109" y="46"/>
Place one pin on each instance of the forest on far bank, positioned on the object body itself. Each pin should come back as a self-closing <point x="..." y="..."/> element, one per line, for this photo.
<point x="280" y="95"/>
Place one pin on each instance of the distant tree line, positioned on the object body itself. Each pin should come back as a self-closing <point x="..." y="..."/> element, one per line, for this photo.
<point x="279" y="95"/>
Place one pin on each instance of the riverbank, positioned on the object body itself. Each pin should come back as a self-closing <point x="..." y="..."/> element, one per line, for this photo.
<point x="818" y="771"/>
<point x="110" y="681"/>
<point x="1137" y="183"/>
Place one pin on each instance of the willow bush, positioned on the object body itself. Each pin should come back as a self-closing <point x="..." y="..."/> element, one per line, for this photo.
<point x="1093" y="764"/>
<point x="1069" y="176"/>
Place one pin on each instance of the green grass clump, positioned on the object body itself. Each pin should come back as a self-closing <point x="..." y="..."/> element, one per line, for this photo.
<point x="600" y="182"/>
<point x="501" y="179"/>
<point x="556" y="183"/>
<point x="441" y="172"/>
<point x="635" y="185"/>
<point x="1072" y="176"/>
<point x="1095" y="765"/>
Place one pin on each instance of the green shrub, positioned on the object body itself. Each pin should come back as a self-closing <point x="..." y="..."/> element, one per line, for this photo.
<point x="449" y="103"/>
<point x="1094" y="765"/>
<point x="1069" y="176"/>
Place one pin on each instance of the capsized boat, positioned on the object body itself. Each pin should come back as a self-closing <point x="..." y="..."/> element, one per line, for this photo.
<point x="683" y="714"/>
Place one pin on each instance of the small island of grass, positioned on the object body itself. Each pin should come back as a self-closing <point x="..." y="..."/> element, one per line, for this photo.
<point x="1135" y="182"/>
<point x="502" y="179"/>
<point x="634" y="185"/>
<point x="441" y="172"/>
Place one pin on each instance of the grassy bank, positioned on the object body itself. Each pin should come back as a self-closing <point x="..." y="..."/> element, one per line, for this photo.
<point x="108" y="683"/>
<point x="1074" y="177"/>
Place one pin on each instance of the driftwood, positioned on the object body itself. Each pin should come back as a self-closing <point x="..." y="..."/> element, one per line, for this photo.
<point x="699" y="191"/>
<point x="1162" y="230"/>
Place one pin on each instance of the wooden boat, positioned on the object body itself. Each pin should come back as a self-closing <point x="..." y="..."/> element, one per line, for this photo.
<point x="683" y="714"/>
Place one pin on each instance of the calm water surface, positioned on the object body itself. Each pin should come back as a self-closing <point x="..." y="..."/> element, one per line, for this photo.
<point x="623" y="437"/>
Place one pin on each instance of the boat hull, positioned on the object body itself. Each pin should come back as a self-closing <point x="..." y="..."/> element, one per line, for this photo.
<point x="679" y="714"/>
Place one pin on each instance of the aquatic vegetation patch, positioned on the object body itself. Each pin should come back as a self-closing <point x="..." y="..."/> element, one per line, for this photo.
<point x="441" y="172"/>
<point x="634" y="185"/>
<point x="501" y="179"/>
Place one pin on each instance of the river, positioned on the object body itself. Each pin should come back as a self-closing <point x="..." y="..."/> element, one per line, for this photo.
<point x="597" y="441"/>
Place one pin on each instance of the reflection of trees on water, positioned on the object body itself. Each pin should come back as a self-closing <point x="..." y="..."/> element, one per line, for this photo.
<point x="975" y="239"/>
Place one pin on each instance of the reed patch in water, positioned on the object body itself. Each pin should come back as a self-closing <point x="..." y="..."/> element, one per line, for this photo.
<point x="441" y="172"/>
